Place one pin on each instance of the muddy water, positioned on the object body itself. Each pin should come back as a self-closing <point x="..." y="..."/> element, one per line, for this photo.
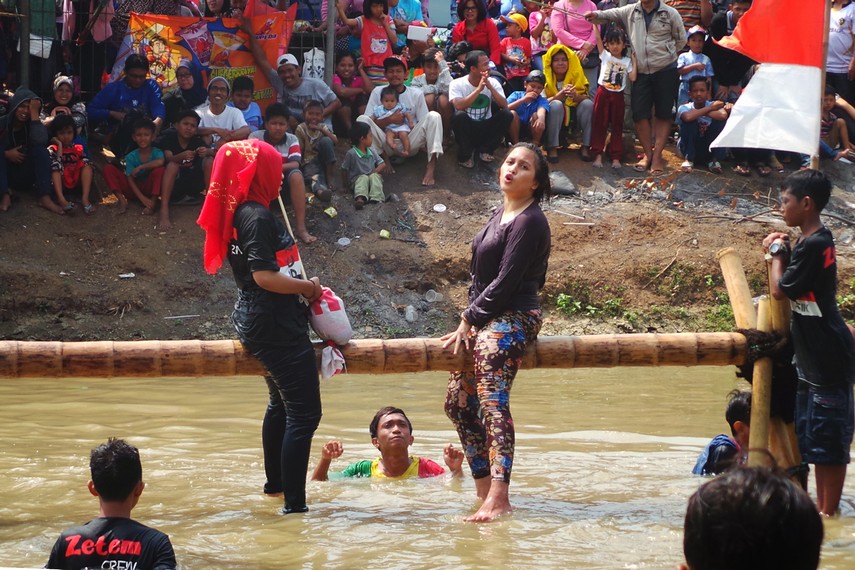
<point x="600" y="480"/>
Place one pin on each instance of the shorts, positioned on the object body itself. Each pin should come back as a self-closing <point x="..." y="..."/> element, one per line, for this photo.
<point x="825" y="421"/>
<point x="655" y="90"/>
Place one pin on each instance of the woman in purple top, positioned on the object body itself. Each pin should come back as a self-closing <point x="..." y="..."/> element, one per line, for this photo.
<point x="509" y="259"/>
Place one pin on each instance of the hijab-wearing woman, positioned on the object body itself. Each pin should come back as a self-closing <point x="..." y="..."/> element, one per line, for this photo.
<point x="271" y="311"/>
<point x="509" y="260"/>
<point x="567" y="92"/>
<point x="64" y="102"/>
<point x="477" y="29"/>
<point x="190" y="94"/>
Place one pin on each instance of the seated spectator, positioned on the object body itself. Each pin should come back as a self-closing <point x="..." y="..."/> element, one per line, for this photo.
<point x="188" y="165"/>
<point x="190" y="93"/>
<point x="405" y="13"/>
<point x="529" y="109"/>
<point x="751" y="518"/>
<point x="701" y="121"/>
<point x="693" y="63"/>
<point x="724" y="451"/>
<point x="476" y="28"/>
<point x="120" y="104"/>
<point x="293" y="185"/>
<point x="392" y="434"/>
<point x="243" y="90"/>
<point x="70" y="167"/>
<point x="516" y="52"/>
<point x="352" y="86"/>
<point x="730" y="66"/>
<point x="832" y="129"/>
<point x="579" y="35"/>
<point x="377" y="34"/>
<point x="117" y="481"/>
<point x="362" y="168"/>
<point x="389" y="107"/>
<point x="427" y="133"/>
<point x="569" y="104"/>
<point x="434" y="83"/>
<point x="317" y="142"/>
<point x="143" y="171"/>
<point x="220" y="123"/>
<point x="457" y="58"/>
<point x="220" y="9"/>
<point x="64" y="102"/>
<point x="26" y="162"/>
<point x="477" y="128"/>
<point x="541" y="35"/>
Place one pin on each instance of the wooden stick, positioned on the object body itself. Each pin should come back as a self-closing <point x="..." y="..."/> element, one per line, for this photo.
<point x="761" y="397"/>
<point x="195" y="358"/>
<point x="737" y="288"/>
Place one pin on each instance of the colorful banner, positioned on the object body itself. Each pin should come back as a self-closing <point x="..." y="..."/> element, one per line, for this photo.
<point x="216" y="45"/>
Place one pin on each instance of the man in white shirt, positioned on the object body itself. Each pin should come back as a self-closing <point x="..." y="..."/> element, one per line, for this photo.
<point x="427" y="132"/>
<point x="476" y="126"/>
<point x="219" y="122"/>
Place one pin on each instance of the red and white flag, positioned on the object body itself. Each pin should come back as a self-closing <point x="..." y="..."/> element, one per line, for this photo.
<point x="780" y="107"/>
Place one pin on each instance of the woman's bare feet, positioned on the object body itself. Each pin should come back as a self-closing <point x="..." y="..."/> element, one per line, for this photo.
<point x="495" y="505"/>
<point x="48" y="204"/>
<point x="305" y="236"/>
<point x="164" y="223"/>
<point x="123" y="204"/>
<point x="5" y="202"/>
<point x="598" y="161"/>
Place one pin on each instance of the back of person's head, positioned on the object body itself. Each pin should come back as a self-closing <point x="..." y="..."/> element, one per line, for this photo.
<point x="184" y="113"/>
<point x="243" y="83"/>
<point x="738" y="408"/>
<point x="358" y="131"/>
<point x="144" y="123"/>
<point x="60" y="123"/>
<point x="472" y="58"/>
<point x="135" y="61"/>
<point x="459" y="49"/>
<point x="276" y="110"/>
<point x="312" y="104"/>
<point x="366" y="7"/>
<point x="115" y="469"/>
<point x="372" y="427"/>
<point x="751" y="518"/>
<point x="811" y="183"/>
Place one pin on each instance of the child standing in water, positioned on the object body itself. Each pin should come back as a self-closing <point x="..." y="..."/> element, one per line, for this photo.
<point x="389" y="105"/>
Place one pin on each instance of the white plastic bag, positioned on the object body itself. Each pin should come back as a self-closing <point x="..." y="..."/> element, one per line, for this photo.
<point x="328" y="318"/>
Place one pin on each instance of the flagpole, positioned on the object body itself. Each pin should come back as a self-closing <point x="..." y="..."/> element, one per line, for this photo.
<point x="329" y="42"/>
<point x="814" y="160"/>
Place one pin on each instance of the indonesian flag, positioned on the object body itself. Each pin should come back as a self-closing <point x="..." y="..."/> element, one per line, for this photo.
<point x="780" y="107"/>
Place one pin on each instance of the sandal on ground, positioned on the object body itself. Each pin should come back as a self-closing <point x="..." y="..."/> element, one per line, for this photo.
<point x="486" y="157"/>
<point x="742" y="169"/>
<point x="359" y="202"/>
<point x="68" y="207"/>
<point x="642" y="165"/>
<point x="469" y="163"/>
<point x="763" y="169"/>
<point x="552" y="158"/>
<point x="586" y="155"/>
<point x="687" y="166"/>
<point x="89" y="208"/>
<point x="715" y="167"/>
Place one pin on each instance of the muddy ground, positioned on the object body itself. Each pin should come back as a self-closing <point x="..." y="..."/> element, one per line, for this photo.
<point x="629" y="254"/>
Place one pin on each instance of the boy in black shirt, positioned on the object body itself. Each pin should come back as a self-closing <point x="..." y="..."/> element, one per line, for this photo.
<point x="188" y="163"/>
<point x="824" y="353"/>
<point x="114" y="540"/>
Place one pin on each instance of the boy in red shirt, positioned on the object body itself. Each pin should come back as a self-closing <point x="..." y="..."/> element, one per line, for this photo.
<point x="516" y="52"/>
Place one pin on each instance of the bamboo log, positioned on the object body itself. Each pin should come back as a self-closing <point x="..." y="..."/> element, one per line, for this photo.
<point x="737" y="288"/>
<point x="193" y="358"/>
<point x="761" y="398"/>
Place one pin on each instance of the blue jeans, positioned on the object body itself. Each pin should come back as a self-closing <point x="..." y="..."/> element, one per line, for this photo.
<point x="694" y="146"/>
<point x="33" y="172"/>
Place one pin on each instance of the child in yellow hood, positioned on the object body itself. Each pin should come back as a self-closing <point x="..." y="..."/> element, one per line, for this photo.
<point x="569" y="104"/>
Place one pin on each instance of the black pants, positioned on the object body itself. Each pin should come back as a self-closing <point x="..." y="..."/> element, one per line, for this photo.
<point x="292" y="416"/>
<point x="480" y="136"/>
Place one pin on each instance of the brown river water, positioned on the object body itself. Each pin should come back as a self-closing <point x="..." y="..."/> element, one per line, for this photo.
<point x="601" y="476"/>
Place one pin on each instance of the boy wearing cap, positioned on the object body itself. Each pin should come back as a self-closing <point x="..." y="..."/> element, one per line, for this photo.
<point x="693" y="63"/>
<point x="516" y="52"/>
<point x="529" y="109"/>
<point x="220" y="123"/>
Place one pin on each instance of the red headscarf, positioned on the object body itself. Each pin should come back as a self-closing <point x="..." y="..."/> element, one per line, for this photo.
<point x="243" y="170"/>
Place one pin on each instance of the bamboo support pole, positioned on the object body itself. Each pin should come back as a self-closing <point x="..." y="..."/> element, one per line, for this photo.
<point x="737" y="288"/>
<point x="761" y="397"/>
<point x="193" y="358"/>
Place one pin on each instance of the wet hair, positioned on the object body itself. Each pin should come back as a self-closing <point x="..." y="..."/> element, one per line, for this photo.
<point x="243" y="83"/>
<point x="184" y="113"/>
<point x="541" y="171"/>
<point x="135" y="61"/>
<point x="811" y="183"/>
<point x="830" y="90"/>
<point x="60" y="123"/>
<point x="115" y="469"/>
<point x="479" y="4"/>
<point x="696" y="79"/>
<point x="372" y="427"/>
<point x="429" y="56"/>
<point x="366" y="7"/>
<point x="358" y="131"/>
<point x="144" y="123"/>
<point x="276" y="110"/>
<point x="738" y="408"/>
<point x="313" y="104"/>
<point x="751" y="518"/>
<point x="459" y="49"/>
<point x="472" y="59"/>
<point x="616" y="35"/>
<point x="388" y="91"/>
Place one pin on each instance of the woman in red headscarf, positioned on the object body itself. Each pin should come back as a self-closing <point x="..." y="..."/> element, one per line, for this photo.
<point x="271" y="311"/>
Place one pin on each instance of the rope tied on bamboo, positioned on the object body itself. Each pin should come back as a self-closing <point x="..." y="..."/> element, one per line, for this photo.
<point x="777" y="347"/>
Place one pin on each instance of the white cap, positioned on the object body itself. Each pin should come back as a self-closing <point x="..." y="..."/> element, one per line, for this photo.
<point x="287" y="59"/>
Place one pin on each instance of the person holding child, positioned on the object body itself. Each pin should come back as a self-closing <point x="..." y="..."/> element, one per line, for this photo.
<point x="116" y="479"/>
<point x="69" y="162"/>
<point x="392" y="434"/>
<point x="271" y="312"/>
<point x="616" y="71"/>
<point x="824" y="349"/>
<point x="529" y="109"/>
<point x="509" y="260"/>
<point x="391" y="107"/>
<point x="567" y="93"/>
<point x="143" y="173"/>
<point x="362" y="168"/>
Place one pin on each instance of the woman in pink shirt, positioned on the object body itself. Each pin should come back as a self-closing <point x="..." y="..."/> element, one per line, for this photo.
<point x="574" y="31"/>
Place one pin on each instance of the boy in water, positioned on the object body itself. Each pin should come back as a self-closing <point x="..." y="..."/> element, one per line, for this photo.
<point x="391" y="433"/>
<point x="823" y="345"/>
<point x="114" y="540"/>
<point x="723" y="452"/>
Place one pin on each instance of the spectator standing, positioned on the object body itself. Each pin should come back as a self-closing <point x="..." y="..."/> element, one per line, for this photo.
<point x="693" y="12"/>
<point x="840" y="63"/>
<point x="541" y="34"/>
<point x="730" y="66"/>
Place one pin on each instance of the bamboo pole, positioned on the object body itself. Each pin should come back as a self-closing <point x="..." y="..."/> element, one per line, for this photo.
<point x="761" y="397"/>
<point x="194" y="358"/>
<point x="737" y="288"/>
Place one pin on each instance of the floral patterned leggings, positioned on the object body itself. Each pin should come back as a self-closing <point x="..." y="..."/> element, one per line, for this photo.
<point x="478" y="402"/>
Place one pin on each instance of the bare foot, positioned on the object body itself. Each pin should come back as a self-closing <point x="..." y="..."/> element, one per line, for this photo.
<point x="48" y="204"/>
<point x="123" y="205"/>
<point x="598" y="162"/>
<point x="616" y="164"/>
<point x="5" y="202"/>
<point x="492" y="508"/>
<point x="164" y="224"/>
<point x="428" y="180"/>
<point x="642" y="165"/>
<point x="148" y="210"/>
<point x="305" y="236"/>
<point x="657" y="167"/>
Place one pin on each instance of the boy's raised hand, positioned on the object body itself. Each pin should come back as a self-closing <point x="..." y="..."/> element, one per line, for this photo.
<point x="453" y="459"/>
<point x="332" y="449"/>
